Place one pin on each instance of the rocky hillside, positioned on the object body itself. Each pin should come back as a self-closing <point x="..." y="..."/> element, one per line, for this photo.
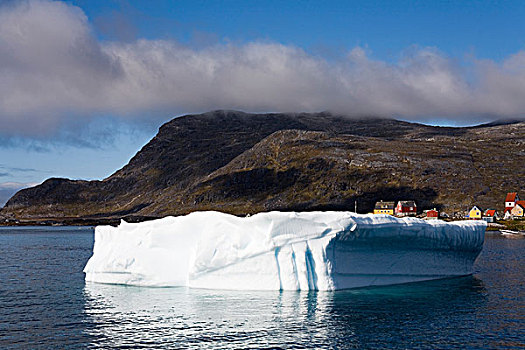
<point x="244" y="163"/>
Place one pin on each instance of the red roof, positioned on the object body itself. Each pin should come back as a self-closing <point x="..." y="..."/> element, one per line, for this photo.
<point x="511" y="197"/>
<point x="491" y="212"/>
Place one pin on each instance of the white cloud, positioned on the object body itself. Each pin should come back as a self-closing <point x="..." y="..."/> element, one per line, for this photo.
<point x="53" y="70"/>
<point x="16" y="185"/>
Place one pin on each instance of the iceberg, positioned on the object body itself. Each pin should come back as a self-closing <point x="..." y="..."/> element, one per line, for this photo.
<point x="283" y="251"/>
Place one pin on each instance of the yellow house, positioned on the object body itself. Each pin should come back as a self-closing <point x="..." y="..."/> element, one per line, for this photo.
<point x="518" y="210"/>
<point x="384" y="208"/>
<point x="474" y="213"/>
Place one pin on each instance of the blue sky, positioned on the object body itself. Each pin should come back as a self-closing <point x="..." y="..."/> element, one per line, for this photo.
<point x="489" y="29"/>
<point x="86" y="83"/>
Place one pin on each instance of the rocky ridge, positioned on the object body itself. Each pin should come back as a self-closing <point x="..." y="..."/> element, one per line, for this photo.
<point x="244" y="163"/>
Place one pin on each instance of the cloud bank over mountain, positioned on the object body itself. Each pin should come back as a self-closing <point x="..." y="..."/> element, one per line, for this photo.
<point x="54" y="71"/>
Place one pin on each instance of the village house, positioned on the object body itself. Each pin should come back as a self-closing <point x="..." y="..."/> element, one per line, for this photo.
<point x="514" y="208"/>
<point x="406" y="208"/>
<point x="518" y="210"/>
<point x="474" y="213"/>
<point x="510" y="201"/>
<point x="432" y="214"/>
<point x="384" y="208"/>
<point x="490" y="215"/>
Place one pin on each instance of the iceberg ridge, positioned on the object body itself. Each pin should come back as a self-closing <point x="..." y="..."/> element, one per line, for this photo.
<point x="283" y="251"/>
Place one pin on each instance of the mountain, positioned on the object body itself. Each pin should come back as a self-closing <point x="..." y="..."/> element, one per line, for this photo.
<point x="244" y="163"/>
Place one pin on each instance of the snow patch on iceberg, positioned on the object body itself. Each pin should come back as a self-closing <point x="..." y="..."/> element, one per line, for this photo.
<point x="283" y="251"/>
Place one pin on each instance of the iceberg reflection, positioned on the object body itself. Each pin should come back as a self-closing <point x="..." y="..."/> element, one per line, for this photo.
<point x="405" y="316"/>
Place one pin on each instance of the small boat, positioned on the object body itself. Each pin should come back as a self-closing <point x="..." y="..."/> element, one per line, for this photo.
<point x="512" y="233"/>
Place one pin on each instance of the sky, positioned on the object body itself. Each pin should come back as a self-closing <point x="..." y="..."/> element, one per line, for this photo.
<point x="85" y="84"/>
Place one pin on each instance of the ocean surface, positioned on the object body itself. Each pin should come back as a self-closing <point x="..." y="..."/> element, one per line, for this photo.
<point x="45" y="304"/>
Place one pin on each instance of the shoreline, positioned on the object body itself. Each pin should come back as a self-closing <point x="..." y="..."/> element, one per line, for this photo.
<point x="512" y="225"/>
<point x="75" y="221"/>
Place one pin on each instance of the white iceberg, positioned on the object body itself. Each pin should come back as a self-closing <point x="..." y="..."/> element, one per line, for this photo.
<point x="283" y="251"/>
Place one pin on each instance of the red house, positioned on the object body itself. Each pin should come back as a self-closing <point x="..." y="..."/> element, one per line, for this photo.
<point x="432" y="213"/>
<point x="406" y="208"/>
<point x="510" y="201"/>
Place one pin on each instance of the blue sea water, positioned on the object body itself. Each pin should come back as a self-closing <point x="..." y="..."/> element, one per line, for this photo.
<point x="45" y="304"/>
